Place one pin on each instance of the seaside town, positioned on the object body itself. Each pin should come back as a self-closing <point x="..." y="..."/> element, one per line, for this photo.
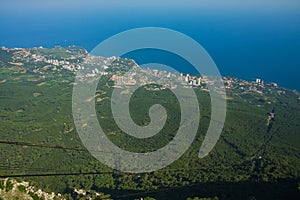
<point x="76" y="60"/>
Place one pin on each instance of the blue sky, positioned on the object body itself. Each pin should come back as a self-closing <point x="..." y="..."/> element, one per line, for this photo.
<point x="180" y="4"/>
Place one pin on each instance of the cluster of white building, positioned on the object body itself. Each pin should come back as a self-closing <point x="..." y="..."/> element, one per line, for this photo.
<point x="57" y="62"/>
<point x="193" y="80"/>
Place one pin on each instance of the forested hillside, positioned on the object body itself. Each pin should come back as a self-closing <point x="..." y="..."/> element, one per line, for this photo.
<point x="257" y="156"/>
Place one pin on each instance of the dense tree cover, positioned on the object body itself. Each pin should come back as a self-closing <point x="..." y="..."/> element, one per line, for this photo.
<point x="250" y="153"/>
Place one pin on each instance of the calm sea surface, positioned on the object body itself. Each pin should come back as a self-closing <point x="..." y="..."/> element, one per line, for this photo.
<point x="246" y="45"/>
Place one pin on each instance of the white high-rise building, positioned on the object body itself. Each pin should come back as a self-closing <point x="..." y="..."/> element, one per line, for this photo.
<point x="258" y="80"/>
<point x="194" y="82"/>
<point x="187" y="78"/>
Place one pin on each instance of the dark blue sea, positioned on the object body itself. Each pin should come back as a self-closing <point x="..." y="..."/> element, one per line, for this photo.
<point x="248" y="42"/>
